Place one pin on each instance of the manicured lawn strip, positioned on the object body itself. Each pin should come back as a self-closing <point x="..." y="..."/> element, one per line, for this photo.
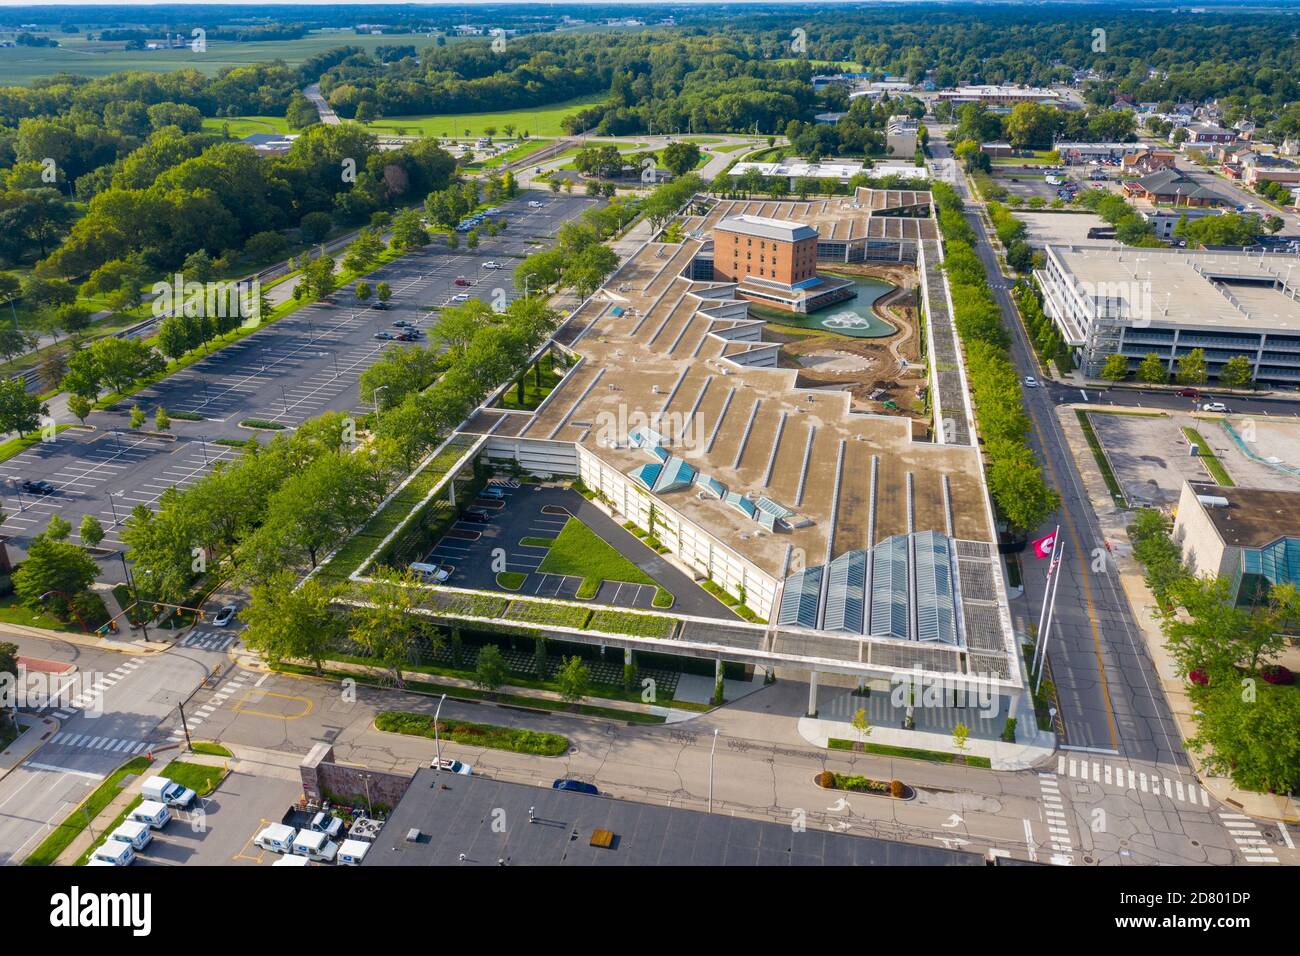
<point x="103" y="835"/>
<point x="233" y="442"/>
<point x="241" y="126"/>
<point x="537" y="121"/>
<point x="200" y="778"/>
<point x="511" y="580"/>
<point x="729" y="600"/>
<point x="513" y="739"/>
<point x="14" y="613"/>
<point x="557" y="615"/>
<point x="471" y="694"/>
<point x="512" y="155"/>
<point x="263" y="425"/>
<point x="469" y="605"/>
<point x="211" y="749"/>
<point x="16" y="446"/>
<point x="63" y="835"/>
<point x="533" y="394"/>
<point x="580" y="552"/>
<point x="1207" y="455"/>
<point x="635" y="625"/>
<point x="912" y="753"/>
<point x="185" y="416"/>
<point x="1112" y="484"/>
<point x="531" y="542"/>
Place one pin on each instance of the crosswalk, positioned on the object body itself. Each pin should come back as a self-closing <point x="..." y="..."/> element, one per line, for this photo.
<point x="100" y="684"/>
<point x="119" y="745"/>
<point x="1058" y="825"/>
<point x="207" y="640"/>
<point x="235" y="685"/>
<point x="1125" y="778"/>
<point x="1246" y="834"/>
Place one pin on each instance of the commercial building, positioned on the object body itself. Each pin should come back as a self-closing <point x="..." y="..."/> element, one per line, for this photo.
<point x="774" y="262"/>
<point x="1251" y="536"/>
<point x="1164" y="220"/>
<point x="1147" y="161"/>
<point x="867" y="549"/>
<point x="998" y="97"/>
<point x="440" y="821"/>
<point x="1171" y="301"/>
<point x="1204" y="134"/>
<point x="1075" y="153"/>
<point x="901" y="136"/>
<point x="839" y="170"/>
<point x="1171" y="186"/>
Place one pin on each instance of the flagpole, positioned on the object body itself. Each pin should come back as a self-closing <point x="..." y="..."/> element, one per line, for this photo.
<point x="1042" y="613"/>
<point x="1051" y="607"/>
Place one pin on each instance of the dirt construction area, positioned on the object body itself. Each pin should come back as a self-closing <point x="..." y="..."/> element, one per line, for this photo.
<point x="874" y="371"/>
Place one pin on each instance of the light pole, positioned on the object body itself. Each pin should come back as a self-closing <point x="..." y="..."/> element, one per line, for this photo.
<point x="285" y="396"/>
<point x="712" y="748"/>
<point x="375" y="396"/>
<point x="437" y="741"/>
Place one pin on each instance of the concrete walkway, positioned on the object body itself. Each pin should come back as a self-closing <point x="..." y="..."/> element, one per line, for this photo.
<point x="1114" y="523"/>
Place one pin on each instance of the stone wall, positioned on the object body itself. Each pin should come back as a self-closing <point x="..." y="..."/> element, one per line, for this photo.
<point x="321" y="776"/>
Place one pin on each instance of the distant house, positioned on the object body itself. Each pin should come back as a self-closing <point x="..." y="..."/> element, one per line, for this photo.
<point x="1147" y="161"/>
<point x="901" y="136"/>
<point x="1170" y="186"/>
<point x="1202" y="134"/>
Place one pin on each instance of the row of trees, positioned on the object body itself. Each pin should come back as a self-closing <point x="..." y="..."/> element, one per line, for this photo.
<point x="1227" y="646"/>
<point x="1015" y="477"/>
<point x="1236" y="372"/>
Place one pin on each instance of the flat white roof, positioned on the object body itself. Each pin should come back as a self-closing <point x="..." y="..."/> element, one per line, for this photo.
<point x="831" y="169"/>
<point x="905" y="171"/>
<point x="783" y="229"/>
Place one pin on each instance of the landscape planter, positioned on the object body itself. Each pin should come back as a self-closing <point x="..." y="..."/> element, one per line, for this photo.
<point x="876" y="788"/>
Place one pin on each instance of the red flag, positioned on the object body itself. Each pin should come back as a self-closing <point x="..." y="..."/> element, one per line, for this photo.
<point x="1043" y="546"/>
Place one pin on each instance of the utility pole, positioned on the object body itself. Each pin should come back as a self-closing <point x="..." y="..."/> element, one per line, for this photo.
<point x="712" y="749"/>
<point x="189" y="744"/>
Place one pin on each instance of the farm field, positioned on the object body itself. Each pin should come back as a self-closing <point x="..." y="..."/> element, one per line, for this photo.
<point x="241" y="126"/>
<point x="20" y="65"/>
<point x="542" y="121"/>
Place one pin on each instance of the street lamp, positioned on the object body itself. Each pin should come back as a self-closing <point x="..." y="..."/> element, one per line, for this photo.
<point x="375" y="396"/>
<point x="713" y="748"/>
<point x="203" y="446"/>
<point x="285" y="396"/>
<point x="437" y="741"/>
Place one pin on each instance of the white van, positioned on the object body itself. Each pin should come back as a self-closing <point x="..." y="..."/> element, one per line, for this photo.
<point x="115" y="852"/>
<point x="327" y="824"/>
<point x="353" y="852"/>
<point x="430" y="573"/>
<point x="292" y="861"/>
<point x="278" y="838"/>
<point x="133" y="832"/>
<point x="153" y="813"/>
<point x="165" y="791"/>
<point x="315" y="846"/>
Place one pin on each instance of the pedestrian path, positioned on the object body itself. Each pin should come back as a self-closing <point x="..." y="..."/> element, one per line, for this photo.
<point x="1125" y="778"/>
<point x="100" y="684"/>
<point x="120" y="745"/>
<point x="1058" y="824"/>
<point x="1246" y="834"/>
<point x="207" y="640"/>
<point x="235" y="685"/>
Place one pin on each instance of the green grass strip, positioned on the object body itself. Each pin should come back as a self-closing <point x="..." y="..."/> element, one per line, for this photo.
<point x="61" y="837"/>
<point x="1209" y="458"/>
<point x="513" y="739"/>
<point x="1094" y="444"/>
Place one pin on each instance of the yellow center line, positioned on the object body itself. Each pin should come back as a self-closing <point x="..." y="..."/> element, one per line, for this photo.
<point x="1087" y="592"/>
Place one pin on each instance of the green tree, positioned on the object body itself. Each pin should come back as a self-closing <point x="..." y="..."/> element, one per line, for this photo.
<point x="92" y="532"/>
<point x="386" y="626"/>
<point x="1192" y="369"/>
<point x="161" y="420"/>
<point x="80" y="407"/>
<point x="861" y="724"/>
<point x="1249" y="737"/>
<point x="573" y="680"/>
<point x="55" y="573"/>
<point x="960" y="735"/>
<point x="383" y="292"/>
<point x="362" y="292"/>
<point x="19" y="411"/>
<point x="291" y="621"/>
<point x="1116" y="368"/>
<point x="407" y="230"/>
<point x="1236" y="372"/>
<point x="137" y="417"/>
<point x="1152" y="370"/>
<point x="490" y="671"/>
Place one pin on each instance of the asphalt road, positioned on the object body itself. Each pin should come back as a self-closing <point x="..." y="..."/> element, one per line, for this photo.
<point x="300" y="367"/>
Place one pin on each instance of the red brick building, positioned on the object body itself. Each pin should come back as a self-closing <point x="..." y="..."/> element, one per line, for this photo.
<point x="774" y="262"/>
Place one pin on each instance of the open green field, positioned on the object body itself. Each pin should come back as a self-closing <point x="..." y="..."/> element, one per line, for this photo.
<point x="241" y="126"/>
<point x="20" y="65"/>
<point x="542" y="121"/>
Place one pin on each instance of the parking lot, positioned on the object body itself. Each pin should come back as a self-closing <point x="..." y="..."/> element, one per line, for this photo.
<point x="304" y="365"/>
<point x="478" y="550"/>
<point x="221" y="832"/>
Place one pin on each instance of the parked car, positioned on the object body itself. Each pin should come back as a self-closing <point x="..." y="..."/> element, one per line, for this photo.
<point x="461" y="297"/>
<point x="153" y="813"/>
<point x="38" y="486"/>
<point x="477" y="515"/>
<point x="115" y="852"/>
<point x="353" y="852"/>
<point x="166" y="791"/>
<point x="277" y="838"/>
<point x="1189" y="393"/>
<point x="451" y="766"/>
<point x="224" y="616"/>
<point x="577" y="786"/>
<point x="534" y="204"/>
<point x="385" y="335"/>
<point x="430" y="573"/>
<point x="461" y="280"/>
<point x="403" y="324"/>
<point x="132" y="832"/>
<point x="491" y="265"/>
<point x="381" y="305"/>
<point x="494" y="492"/>
<point x="1216" y="407"/>
<point x="327" y="824"/>
<point x="1031" y="382"/>
<point x="315" y="846"/>
<point x="407" y="335"/>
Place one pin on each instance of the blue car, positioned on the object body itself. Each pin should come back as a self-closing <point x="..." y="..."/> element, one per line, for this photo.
<point x="577" y="786"/>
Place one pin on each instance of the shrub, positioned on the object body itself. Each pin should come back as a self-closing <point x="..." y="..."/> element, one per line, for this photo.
<point x="1009" y="731"/>
<point x="896" y="788"/>
<point x="826" y="780"/>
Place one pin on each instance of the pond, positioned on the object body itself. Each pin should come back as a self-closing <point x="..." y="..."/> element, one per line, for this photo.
<point x="852" y="317"/>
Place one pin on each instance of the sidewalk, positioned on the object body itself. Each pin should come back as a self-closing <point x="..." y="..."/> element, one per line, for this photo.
<point x="1114" y="524"/>
<point x="36" y="731"/>
<point x="126" y="642"/>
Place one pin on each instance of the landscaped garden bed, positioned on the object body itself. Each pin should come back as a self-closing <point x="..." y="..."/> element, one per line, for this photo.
<point x="513" y="739"/>
<point x="910" y="753"/>
<point x="894" y="789"/>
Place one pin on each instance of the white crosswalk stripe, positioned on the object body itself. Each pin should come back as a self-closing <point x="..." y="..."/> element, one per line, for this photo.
<point x="1246" y="834"/>
<point x="1058" y="826"/>
<point x="1095" y="771"/>
<point x="64" y="685"/>
<point x="207" y="640"/>
<point x="124" y="745"/>
<point x="208" y="707"/>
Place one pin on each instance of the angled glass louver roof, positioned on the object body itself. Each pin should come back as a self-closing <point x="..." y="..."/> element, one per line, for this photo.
<point x="889" y="590"/>
<point x="935" y="620"/>
<point x="711" y="484"/>
<point x="800" y="598"/>
<point x="741" y="504"/>
<point x="845" y="593"/>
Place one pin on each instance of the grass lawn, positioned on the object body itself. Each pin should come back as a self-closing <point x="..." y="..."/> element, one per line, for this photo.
<point x="539" y="121"/>
<point x="1112" y="483"/>
<point x="241" y="126"/>
<point x="200" y="778"/>
<point x="211" y="749"/>
<point x="511" y="580"/>
<point x="62" y="835"/>
<point x="911" y="753"/>
<point x="513" y="739"/>
<point x="1209" y="458"/>
<point x="11" y="612"/>
<point x="536" y="383"/>
<point x="581" y="552"/>
<point x="16" y="446"/>
<point x="513" y="154"/>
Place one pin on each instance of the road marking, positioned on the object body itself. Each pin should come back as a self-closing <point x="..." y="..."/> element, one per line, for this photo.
<point x="1246" y="834"/>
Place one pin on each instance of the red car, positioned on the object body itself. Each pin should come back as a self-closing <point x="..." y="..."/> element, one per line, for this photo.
<point x="461" y="280"/>
<point x="1188" y="393"/>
